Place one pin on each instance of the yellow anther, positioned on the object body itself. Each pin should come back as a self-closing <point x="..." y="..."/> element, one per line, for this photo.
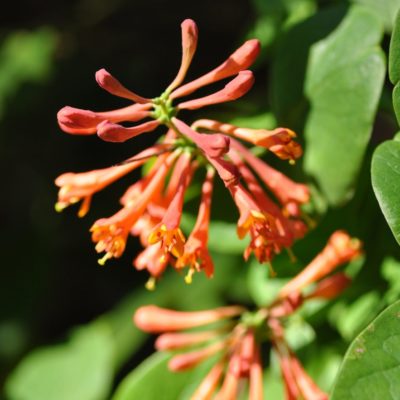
<point x="103" y="260"/>
<point x="292" y="162"/>
<point x="60" y="206"/>
<point x="151" y="284"/>
<point x="189" y="276"/>
<point x="257" y="214"/>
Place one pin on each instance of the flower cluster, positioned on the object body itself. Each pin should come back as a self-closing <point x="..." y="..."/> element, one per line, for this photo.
<point x="238" y="337"/>
<point x="152" y="207"/>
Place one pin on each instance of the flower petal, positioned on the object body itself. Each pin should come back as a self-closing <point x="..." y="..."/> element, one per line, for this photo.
<point x="84" y="122"/>
<point x="214" y="145"/>
<point x="340" y="249"/>
<point x="238" y="61"/>
<point x="236" y="88"/>
<point x="189" y="45"/>
<point x="107" y="82"/>
<point x="115" y="133"/>
<point x="156" y="319"/>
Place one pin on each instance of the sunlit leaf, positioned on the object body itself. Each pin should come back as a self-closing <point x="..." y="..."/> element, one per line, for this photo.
<point x="385" y="172"/>
<point x="371" y="367"/>
<point x="344" y="82"/>
<point x="385" y="9"/>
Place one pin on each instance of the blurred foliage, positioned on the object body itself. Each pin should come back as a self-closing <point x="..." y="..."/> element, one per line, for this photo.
<point x="321" y="73"/>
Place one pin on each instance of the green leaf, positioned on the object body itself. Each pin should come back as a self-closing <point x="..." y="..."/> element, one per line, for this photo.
<point x="344" y="83"/>
<point x="287" y="83"/>
<point x="385" y="10"/>
<point x="394" y="53"/>
<point x="222" y="235"/>
<point x="391" y="272"/>
<point x="371" y="367"/>
<point x="153" y="380"/>
<point x="350" y="319"/>
<point x="385" y="171"/>
<point x="95" y="352"/>
<point x="81" y="369"/>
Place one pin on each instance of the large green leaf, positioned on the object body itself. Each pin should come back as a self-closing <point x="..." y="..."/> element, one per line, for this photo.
<point x="82" y="369"/>
<point x="344" y="83"/>
<point x="385" y="173"/>
<point x="371" y="368"/>
<point x="385" y="9"/>
<point x="153" y="380"/>
<point x="290" y="62"/>
<point x="394" y="65"/>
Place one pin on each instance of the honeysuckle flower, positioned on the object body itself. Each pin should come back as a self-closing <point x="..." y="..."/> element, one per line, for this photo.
<point x="236" y="341"/>
<point x="233" y="341"/>
<point x="279" y="141"/>
<point x="152" y="207"/>
<point x="234" y="335"/>
<point x="340" y="249"/>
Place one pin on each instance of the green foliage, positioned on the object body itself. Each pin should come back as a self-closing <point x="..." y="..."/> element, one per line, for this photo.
<point x="320" y="73"/>
<point x="371" y="365"/>
<point x="394" y="65"/>
<point x="386" y="10"/>
<point x="152" y="379"/>
<point x="25" y="57"/>
<point x="385" y="172"/>
<point x="82" y="369"/>
<point x="344" y="82"/>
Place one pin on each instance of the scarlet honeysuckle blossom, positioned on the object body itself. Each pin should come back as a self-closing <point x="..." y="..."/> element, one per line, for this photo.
<point x="152" y="207"/>
<point x="234" y="335"/>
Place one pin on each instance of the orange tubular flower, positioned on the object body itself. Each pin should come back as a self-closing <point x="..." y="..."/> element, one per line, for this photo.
<point x="195" y="254"/>
<point x="168" y="231"/>
<point x="235" y="343"/>
<point x="236" y="336"/>
<point x="279" y="141"/>
<point x="340" y="249"/>
<point x="153" y="206"/>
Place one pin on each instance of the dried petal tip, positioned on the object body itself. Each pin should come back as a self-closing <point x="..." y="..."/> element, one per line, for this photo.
<point x="107" y="82"/>
<point x="77" y="121"/>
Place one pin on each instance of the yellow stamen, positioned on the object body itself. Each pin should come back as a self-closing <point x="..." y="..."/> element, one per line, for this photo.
<point x="103" y="260"/>
<point x="60" y="206"/>
<point x="257" y="214"/>
<point x="151" y="284"/>
<point x="292" y="162"/>
<point x="189" y="276"/>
